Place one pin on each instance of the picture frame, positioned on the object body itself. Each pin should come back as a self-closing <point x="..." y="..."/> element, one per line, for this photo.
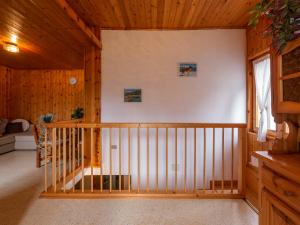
<point x="132" y="95"/>
<point x="187" y="69"/>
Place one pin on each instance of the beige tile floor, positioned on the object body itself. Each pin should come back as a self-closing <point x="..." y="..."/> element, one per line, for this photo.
<point x="21" y="183"/>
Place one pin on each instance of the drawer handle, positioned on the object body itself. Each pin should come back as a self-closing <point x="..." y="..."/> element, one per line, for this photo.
<point x="289" y="193"/>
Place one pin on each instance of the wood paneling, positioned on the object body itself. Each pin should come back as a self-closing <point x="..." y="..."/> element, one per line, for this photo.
<point x="92" y="84"/>
<point x="252" y="188"/>
<point x="5" y="74"/>
<point x="252" y="182"/>
<point x="254" y="145"/>
<point x="36" y="92"/>
<point x="258" y="42"/>
<point x="166" y="14"/>
<point x="53" y="36"/>
<point x="47" y="37"/>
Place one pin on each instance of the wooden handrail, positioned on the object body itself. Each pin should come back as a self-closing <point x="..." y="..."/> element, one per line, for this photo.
<point x="146" y="155"/>
<point x="69" y="121"/>
<point x="145" y="125"/>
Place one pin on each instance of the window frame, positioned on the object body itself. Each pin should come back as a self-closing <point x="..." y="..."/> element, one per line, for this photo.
<point x="270" y="132"/>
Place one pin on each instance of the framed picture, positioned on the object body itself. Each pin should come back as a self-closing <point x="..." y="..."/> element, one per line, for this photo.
<point x="132" y="95"/>
<point x="187" y="69"/>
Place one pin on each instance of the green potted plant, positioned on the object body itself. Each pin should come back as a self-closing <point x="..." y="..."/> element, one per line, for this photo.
<point x="77" y="113"/>
<point x="284" y="16"/>
<point x="47" y="118"/>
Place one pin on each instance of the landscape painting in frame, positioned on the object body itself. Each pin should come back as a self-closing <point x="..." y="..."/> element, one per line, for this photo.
<point x="187" y="69"/>
<point x="132" y="95"/>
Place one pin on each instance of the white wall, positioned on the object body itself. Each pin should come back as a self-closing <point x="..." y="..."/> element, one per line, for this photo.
<point x="149" y="60"/>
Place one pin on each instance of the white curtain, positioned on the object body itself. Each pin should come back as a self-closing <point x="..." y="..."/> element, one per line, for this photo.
<point x="262" y="83"/>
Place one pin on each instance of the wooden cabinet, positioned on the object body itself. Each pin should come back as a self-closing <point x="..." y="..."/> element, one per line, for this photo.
<point x="275" y="212"/>
<point x="279" y="188"/>
<point x="286" y="79"/>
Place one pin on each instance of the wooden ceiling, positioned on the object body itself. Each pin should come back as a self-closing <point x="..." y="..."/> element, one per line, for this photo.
<point x="46" y="36"/>
<point x="164" y="14"/>
<point x="49" y="39"/>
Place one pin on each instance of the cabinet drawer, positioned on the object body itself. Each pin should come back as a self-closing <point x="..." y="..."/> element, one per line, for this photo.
<point x="287" y="190"/>
<point x="275" y="212"/>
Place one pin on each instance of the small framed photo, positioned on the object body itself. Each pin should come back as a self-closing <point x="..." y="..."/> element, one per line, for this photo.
<point x="132" y="95"/>
<point x="187" y="69"/>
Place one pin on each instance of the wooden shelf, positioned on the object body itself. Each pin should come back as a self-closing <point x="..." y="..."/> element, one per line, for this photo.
<point x="290" y="76"/>
<point x="285" y="164"/>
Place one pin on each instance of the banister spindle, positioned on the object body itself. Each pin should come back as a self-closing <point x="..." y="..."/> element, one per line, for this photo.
<point x="138" y="159"/>
<point x="156" y="160"/>
<point x="73" y="158"/>
<point x="101" y="159"/>
<point x="46" y="158"/>
<point x="54" y="158"/>
<point x="232" y="157"/>
<point x="167" y="158"/>
<point x="82" y="158"/>
<point x="110" y="159"/>
<point x="185" y="157"/>
<point x="176" y="148"/>
<point x="129" y="179"/>
<point x="120" y="158"/>
<point x="70" y="150"/>
<point x="64" y="158"/>
<point x="92" y="159"/>
<point x="213" y="159"/>
<point x="204" y="159"/>
<point x="147" y="137"/>
<point x="59" y="151"/>
<point x="78" y="146"/>
<point x="223" y="160"/>
<point x="195" y="159"/>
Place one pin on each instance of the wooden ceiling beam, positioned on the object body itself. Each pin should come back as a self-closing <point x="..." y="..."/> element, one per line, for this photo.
<point x="80" y="23"/>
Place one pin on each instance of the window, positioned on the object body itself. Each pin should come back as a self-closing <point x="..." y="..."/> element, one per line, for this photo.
<point x="264" y="120"/>
<point x="271" y="125"/>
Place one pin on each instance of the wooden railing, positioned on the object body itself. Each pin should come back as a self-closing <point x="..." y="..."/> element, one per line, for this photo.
<point x="145" y="159"/>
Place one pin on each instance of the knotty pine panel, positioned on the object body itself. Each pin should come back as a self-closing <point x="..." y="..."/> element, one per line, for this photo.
<point x="164" y="14"/>
<point x="5" y="74"/>
<point x="257" y="40"/>
<point x="37" y="92"/>
<point x="47" y="37"/>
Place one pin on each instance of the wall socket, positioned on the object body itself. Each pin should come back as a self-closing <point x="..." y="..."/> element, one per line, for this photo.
<point x="114" y="146"/>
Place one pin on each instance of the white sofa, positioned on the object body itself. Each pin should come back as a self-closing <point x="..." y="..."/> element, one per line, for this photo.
<point x="7" y="143"/>
<point x="18" y="141"/>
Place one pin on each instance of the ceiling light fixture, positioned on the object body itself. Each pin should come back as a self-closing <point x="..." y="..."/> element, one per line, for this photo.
<point x="13" y="38"/>
<point x="11" y="47"/>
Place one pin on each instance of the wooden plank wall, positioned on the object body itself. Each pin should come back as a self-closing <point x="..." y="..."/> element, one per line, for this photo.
<point x="5" y="74"/>
<point x="258" y="44"/>
<point x="33" y="93"/>
<point x="257" y="40"/>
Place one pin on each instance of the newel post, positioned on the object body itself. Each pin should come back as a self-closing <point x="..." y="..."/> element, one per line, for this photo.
<point x="242" y="144"/>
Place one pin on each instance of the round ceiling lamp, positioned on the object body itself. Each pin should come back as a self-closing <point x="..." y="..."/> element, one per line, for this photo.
<point x="11" y="47"/>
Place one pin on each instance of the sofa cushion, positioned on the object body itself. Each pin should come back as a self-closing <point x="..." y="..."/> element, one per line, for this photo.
<point x="25" y="123"/>
<point x="7" y="139"/>
<point x="12" y="128"/>
<point x="7" y="148"/>
<point x="3" y="123"/>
